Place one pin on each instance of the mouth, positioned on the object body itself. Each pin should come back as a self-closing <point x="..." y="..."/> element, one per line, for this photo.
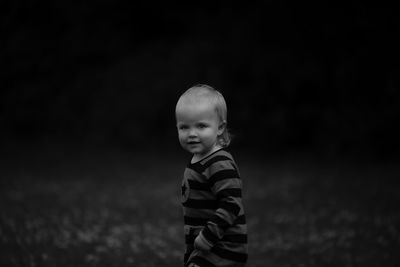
<point x="193" y="143"/>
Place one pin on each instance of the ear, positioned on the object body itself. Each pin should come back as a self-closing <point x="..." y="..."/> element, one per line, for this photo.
<point x="221" y="127"/>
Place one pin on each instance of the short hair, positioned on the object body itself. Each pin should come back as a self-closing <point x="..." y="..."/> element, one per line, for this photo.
<point x="217" y="99"/>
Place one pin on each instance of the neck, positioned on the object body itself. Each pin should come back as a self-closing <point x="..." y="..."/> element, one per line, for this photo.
<point x="197" y="157"/>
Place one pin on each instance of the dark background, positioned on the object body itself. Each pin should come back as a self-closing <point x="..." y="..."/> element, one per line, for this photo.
<point x="303" y="77"/>
<point x="90" y="163"/>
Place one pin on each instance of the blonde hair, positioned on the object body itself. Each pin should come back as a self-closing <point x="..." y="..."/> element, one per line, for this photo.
<point x="216" y="98"/>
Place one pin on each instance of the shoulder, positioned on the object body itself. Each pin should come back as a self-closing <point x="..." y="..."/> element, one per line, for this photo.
<point x="219" y="161"/>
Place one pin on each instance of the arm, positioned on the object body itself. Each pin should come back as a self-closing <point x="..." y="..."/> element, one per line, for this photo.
<point x="226" y="185"/>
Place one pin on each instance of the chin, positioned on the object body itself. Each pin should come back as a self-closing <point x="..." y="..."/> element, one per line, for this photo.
<point x="195" y="151"/>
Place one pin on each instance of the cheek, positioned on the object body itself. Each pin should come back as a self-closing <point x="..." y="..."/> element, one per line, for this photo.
<point x="210" y="136"/>
<point x="181" y="136"/>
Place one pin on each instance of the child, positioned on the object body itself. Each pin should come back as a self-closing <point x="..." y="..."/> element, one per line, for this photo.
<point x="214" y="221"/>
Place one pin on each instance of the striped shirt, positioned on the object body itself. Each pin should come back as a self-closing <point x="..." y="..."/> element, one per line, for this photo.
<point x="213" y="210"/>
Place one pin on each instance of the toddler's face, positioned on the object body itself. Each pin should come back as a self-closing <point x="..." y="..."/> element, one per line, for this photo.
<point x="198" y="127"/>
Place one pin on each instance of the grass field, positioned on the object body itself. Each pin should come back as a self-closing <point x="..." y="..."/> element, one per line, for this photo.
<point x="118" y="209"/>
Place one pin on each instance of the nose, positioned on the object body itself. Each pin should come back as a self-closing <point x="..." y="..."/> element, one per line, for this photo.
<point x="192" y="133"/>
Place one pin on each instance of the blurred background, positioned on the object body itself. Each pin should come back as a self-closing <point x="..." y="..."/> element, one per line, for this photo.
<point x="301" y="77"/>
<point x="90" y="164"/>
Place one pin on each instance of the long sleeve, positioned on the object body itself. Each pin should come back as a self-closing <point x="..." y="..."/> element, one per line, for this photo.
<point x="226" y="185"/>
<point x="214" y="218"/>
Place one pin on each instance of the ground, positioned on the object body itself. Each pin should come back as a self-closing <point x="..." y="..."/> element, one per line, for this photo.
<point x="123" y="209"/>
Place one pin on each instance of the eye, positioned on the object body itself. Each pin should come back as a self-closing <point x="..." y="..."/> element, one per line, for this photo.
<point x="182" y="127"/>
<point x="202" y="125"/>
